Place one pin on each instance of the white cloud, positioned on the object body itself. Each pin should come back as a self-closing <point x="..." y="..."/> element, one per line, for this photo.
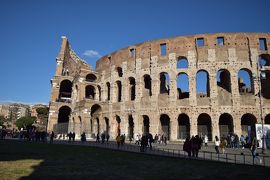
<point x="91" y="53"/>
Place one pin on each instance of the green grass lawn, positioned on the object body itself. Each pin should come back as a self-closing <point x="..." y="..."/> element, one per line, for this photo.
<point x="52" y="161"/>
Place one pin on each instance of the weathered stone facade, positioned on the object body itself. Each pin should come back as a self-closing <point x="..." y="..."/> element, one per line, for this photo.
<point x="135" y="89"/>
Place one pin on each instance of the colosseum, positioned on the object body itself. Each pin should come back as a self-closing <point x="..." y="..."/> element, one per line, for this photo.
<point x="206" y="84"/>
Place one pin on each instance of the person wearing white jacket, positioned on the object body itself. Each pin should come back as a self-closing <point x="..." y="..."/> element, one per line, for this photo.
<point x="217" y="143"/>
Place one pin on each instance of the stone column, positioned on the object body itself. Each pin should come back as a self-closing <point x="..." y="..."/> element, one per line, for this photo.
<point x="174" y="126"/>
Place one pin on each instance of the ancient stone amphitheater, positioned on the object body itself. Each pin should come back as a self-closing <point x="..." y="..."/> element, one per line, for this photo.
<point x="206" y="84"/>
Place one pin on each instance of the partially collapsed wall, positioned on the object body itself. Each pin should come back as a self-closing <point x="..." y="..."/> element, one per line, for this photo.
<point x="206" y="84"/>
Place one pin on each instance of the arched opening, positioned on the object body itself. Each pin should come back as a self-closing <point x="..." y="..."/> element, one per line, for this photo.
<point x="132" y="87"/>
<point x="107" y="124"/>
<point x="119" y="90"/>
<point x="95" y="110"/>
<point x="119" y="71"/>
<point x="148" y="84"/>
<point x="65" y="90"/>
<point x="130" y="127"/>
<point x="267" y="119"/>
<point x="182" y="62"/>
<point x="146" y="124"/>
<point x="225" y="124"/>
<point x="99" y="93"/>
<point x="165" y="125"/>
<point x="90" y="92"/>
<point x="108" y="91"/>
<point x="204" y="125"/>
<point x="264" y="60"/>
<point x="182" y="86"/>
<point x="224" y="80"/>
<point x="265" y="84"/>
<point x="118" y="125"/>
<point x="183" y="126"/>
<point x="91" y="78"/>
<point x="248" y="122"/>
<point x="63" y="119"/>
<point x="164" y="83"/>
<point x="202" y="84"/>
<point x="245" y="82"/>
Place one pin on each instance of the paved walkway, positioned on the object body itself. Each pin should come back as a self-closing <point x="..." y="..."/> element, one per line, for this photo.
<point x="235" y="156"/>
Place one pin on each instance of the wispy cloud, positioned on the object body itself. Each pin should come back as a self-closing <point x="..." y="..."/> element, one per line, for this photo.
<point x="21" y="102"/>
<point x="91" y="53"/>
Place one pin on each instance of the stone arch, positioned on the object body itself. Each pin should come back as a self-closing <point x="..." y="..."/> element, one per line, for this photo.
<point x="95" y="123"/>
<point x="146" y="124"/>
<point x="165" y="125"/>
<point x="65" y="89"/>
<point x="225" y="124"/>
<point x="119" y="71"/>
<point x="63" y="119"/>
<point x="202" y="84"/>
<point x="108" y="89"/>
<point x="90" y="92"/>
<point x="119" y="90"/>
<point x="90" y="77"/>
<point x="264" y="60"/>
<point x="267" y="119"/>
<point x="183" y="126"/>
<point x="245" y="81"/>
<point x="224" y="80"/>
<point x="248" y="121"/>
<point x="147" y="85"/>
<point x="182" y="86"/>
<point x="164" y="83"/>
<point x="130" y="127"/>
<point x="204" y="125"/>
<point x="132" y="88"/>
<point x="182" y="62"/>
<point x="265" y="84"/>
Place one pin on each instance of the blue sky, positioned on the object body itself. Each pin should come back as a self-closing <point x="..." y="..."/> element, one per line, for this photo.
<point x="31" y="30"/>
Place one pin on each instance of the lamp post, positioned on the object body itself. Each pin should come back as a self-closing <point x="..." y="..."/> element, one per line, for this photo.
<point x="261" y="75"/>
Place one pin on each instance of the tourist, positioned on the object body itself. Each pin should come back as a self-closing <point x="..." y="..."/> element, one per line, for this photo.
<point x="118" y="139"/>
<point x="144" y="142"/>
<point x="69" y="136"/>
<point x="52" y="136"/>
<point x="253" y="148"/>
<point x="205" y="140"/>
<point x="223" y="144"/>
<point x="137" y="139"/>
<point x="107" y="137"/>
<point x="217" y="143"/>
<point x="150" y="140"/>
<point x="242" y="141"/>
<point x="73" y="136"/>
<point x="103" y="138"/>
<point x="83" y="137"/>
<point x="187" y="146"/>
<point x="195" y="145"/>
<point x="97" y="138"/>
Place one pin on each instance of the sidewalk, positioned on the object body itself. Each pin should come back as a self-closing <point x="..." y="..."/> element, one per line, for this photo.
<point x="235" y="156"/>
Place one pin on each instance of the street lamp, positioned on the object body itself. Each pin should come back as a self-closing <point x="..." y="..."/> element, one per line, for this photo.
<point x="261" y="75"/>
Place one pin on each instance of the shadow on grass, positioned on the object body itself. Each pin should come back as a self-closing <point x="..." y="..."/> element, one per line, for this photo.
<point x="26" y="160"/>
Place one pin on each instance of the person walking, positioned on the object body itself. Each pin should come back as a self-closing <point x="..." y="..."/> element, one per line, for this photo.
<point x="52" y="136"/>
<point x="217" y="143"/>
<point x="223" y="144"/>
<point x="205" y="140"/>
<point x="253" y="148"/>
<point x="187" y="146"/>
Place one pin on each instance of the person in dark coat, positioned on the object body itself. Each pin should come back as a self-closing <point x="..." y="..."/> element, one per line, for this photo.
<point x="187" y="146"/>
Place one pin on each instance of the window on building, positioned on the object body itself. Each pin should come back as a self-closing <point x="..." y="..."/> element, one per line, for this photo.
<point x="200" y="42"/>
<point x="163" y="49"/>
<point x="220" y="41"/>
<point x="132" y="52"/>
<point x="263" y="45"/>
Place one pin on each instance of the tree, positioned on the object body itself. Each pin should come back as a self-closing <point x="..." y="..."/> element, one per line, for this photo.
<point x="23" y="122"/>
<point x="2" y="120"/>
<point x="42" y="111"/>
